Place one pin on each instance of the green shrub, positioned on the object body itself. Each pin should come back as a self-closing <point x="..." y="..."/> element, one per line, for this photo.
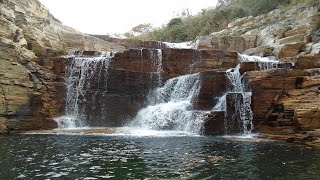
<point x="186" y="27"/>
<point x="37" y="52"/>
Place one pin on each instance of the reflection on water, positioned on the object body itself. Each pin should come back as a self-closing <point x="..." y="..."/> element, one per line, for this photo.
<point x="123" y="157"/>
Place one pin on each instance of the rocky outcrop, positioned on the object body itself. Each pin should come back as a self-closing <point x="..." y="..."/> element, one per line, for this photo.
<point x="22" y="86"/>
<point x="283" y="33"/>
<point x="33" y="26"/>
<point x="31" y="88"/>
<point x="284" y="100"/>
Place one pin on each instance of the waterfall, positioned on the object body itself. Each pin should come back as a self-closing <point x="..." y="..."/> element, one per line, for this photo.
<point x="242" y="110"/>
<point x="240" y="94"/>
<point x="168" y="106"/>
<point x="79" y="74"/>
<point x="264" y="63"/>
<point x="182" y="45"/>
<point x="156" y="58"/>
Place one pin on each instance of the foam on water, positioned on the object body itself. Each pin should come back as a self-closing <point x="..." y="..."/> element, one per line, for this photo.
<point x="120" y="131"/>
<point x="69" y="122"/>
<point x="142" y="132"/>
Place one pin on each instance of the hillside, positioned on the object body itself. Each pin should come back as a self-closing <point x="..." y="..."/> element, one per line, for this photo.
<point x="186" y="27"/>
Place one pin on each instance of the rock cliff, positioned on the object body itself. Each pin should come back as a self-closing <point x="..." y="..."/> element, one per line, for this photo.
<point x="282" y="33"/>
<point x="31" y="24"/>
<point x="284" y="101"/>
<point x="29" y="84"/>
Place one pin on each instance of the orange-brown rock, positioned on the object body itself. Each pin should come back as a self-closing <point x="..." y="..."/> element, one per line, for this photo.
<point x="177" y="62"/>
<point x="16" y="125"/>
<point x="134" y="73"/>
<point x="286" y="98"/>
<point x="213" y="85"/>
<point x="308" y="61"/>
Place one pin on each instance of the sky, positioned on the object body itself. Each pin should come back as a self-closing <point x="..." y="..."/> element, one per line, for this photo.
<point x="119" y="16"/>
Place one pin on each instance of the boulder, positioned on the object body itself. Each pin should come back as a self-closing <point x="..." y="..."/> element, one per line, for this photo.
<point x="29" y="22"/>
<point x="3" y="125"/>
<point x="30" y="124"/>
<point x="289" y="50"/>
<point x="308" y="61"/>
<point x="214" y="123"/>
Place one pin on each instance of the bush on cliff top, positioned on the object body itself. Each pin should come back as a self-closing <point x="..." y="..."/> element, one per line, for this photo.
<point x="186" y="27"/>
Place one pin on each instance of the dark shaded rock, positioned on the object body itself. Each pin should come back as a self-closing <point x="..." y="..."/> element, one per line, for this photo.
<point x="30" y="124"/>
<point x="214" y="123"/>
<point x="177" y="62"/>
<point x="233" y="121"/>
<point x="213" y="85"/>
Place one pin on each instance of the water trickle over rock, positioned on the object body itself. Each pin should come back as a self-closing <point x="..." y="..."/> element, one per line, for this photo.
<point x="236" y="102"/>
<point x="84" y="75"/>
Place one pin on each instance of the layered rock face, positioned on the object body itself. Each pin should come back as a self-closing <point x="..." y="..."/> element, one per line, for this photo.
<point x="283" y="33"/>
<point x="284" y="101"/>
<point x="25" y="90"/>
<point x="31" y="88"/>
<point x="113" y="99"/>
<point x="31" y="24"/>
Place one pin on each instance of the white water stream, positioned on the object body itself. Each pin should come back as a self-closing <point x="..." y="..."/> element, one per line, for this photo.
<point x="242" y="110"/>
<point x="78" y="74"/>
<point x="168" y="106"/>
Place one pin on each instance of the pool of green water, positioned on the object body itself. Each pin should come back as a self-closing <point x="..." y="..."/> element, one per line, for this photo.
<point x="129" y="157"/>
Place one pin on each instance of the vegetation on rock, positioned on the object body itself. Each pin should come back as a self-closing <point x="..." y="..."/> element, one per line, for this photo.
<point x="186" y="27"/>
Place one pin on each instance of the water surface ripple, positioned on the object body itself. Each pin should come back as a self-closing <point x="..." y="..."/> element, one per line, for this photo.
<point x="121" y="157"/>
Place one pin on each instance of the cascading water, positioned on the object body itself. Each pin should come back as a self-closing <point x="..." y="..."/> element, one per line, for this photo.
<point x="182" y="45"/>
<point x="243" y="112"/>
<point x="264" y="63"/>
<point x="79" y="73"/>
<point x="156" y="58"/>
<point x="242" y="106"/>
<point x="168" y="106"/>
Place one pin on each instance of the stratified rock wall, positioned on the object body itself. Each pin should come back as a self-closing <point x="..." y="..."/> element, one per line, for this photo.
<point x="24" y="92"/>
<point x="31" y="87"/>
<point x="132" y="75"/>
<point x="31" y="24"/>
<point x="283" y="33"/>
<point x="283" y="100"/>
